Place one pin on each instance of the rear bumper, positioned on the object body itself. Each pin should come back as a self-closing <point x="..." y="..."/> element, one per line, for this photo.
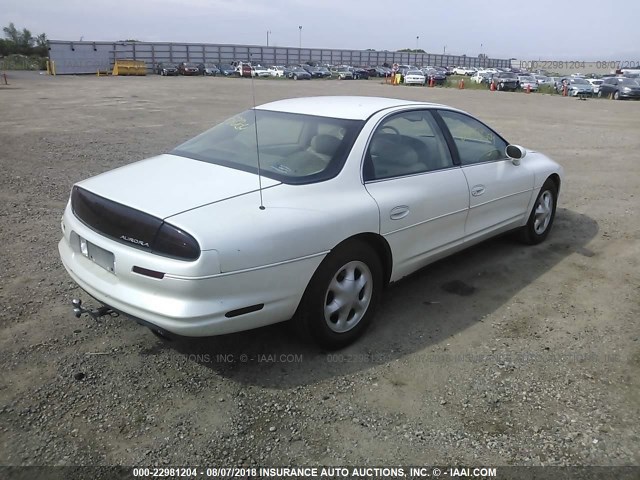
<point x="186" y="304"/>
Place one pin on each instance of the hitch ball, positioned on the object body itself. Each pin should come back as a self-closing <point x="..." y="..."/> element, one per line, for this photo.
<point x="77" y="307"/>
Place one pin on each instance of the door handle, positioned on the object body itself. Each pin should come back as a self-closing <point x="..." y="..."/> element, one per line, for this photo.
<point x="477" y="190"/>
<point x="399" y="212"/>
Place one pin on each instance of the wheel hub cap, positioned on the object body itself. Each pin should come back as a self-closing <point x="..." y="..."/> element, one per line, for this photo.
<point x="348" y="296"/>
<point x="544" y="208"/>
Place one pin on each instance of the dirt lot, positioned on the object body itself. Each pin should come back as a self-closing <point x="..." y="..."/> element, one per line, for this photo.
<point x="501" y="355"/>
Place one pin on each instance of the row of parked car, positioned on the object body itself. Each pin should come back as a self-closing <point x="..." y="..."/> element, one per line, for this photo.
<point x="503" y="79"/>
<point x="303" y="71"/>
<point x="615" y="86"/>
<point x="295" y="72"/>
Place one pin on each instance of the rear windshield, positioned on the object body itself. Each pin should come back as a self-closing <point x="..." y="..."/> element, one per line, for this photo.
<point x="294" y="148"/>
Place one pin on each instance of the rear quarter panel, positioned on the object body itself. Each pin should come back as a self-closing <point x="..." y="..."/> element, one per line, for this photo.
<point x="297" y="221"/>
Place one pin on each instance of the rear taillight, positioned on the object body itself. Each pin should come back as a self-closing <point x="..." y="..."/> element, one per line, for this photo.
<point x="132" y="227"/>
<point x="173" y="242"/>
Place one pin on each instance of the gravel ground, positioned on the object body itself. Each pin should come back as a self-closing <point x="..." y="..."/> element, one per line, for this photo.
<point x="500" y="355"/>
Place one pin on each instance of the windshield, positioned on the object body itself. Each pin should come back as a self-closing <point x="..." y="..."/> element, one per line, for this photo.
<point x="507" y="75"/>
<point x="628" y="82"/>
<point x="579" y="81"/>
<point x="226" y="66"/>
<point x="294" y="148"/>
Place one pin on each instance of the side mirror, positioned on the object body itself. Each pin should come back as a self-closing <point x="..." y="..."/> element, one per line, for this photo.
<point x="515" y="153"/>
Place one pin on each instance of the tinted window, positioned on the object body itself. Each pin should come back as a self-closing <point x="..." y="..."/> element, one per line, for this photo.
<point x="404" y="144"/>
<point x="293" y="148"/>
<point x="475" y="141"/>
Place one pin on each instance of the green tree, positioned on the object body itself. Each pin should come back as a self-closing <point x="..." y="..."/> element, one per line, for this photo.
<point x="26" y="39"/>
<point x="42" y="47"/>
<point x="23" y="42"/>
<point x="12" y="34"/>
<point x="6" y="47"/>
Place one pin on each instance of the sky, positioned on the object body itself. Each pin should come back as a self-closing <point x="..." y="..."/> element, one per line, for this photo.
<point x="527" y="30"/>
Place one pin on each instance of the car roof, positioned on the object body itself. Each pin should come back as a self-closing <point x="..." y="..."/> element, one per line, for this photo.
<point x="347" y="107"/>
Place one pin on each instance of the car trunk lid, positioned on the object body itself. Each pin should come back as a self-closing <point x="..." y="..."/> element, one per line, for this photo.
<point x="167" y="185"/>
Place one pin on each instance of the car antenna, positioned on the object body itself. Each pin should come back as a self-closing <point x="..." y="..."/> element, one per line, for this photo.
<point x="255" y="127"/>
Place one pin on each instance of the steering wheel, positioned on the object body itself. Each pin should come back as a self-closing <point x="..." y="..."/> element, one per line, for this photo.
<point x="389" y="127"/>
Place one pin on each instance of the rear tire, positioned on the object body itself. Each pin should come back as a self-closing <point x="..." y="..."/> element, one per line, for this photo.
<point x="342" y="296"/>
<point x="542" y="215"/>
<point x="616" y="96"/>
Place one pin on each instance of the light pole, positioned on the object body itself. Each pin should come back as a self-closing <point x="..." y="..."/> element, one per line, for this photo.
<point x="268" y="32"/>
<point x="417" y="42"/>
<point x="300" y="35"/>
<point x="444" y="50"/>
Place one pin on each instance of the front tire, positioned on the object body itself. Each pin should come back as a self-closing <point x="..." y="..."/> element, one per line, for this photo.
<point x="616" y="96"/>
<point x="342" y="297"/>
<point x="542" y="215"/>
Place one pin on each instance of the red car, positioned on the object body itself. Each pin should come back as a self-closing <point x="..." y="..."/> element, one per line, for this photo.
<point x="188" y="69"/>
<point x="244" y="70"/>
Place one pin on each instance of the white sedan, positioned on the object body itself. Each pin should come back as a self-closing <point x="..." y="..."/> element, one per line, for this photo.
<point x="301" y="209"/>
<point x="260" y="71"/>
<point x="595" y="83"/>
<point x="414" y="77"/>
<point x="276" y="71"/>
<point x="463" y="71"/>
<point x="479" y="76"/>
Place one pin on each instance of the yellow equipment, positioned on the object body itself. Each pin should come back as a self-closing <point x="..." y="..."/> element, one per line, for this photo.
<point x="129" y="67"/>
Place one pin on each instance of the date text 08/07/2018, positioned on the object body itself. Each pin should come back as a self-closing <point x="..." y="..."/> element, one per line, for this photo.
<point x="315" y="472"/>
<point x="578" y="64"/>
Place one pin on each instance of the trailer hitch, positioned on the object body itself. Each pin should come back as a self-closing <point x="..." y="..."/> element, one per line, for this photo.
<point x="95" y="313"/>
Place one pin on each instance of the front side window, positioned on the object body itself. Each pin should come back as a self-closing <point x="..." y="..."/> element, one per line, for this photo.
<point x="476" y="143"/>
<point x="293" y="148"/>
<point x="405" y="144"/>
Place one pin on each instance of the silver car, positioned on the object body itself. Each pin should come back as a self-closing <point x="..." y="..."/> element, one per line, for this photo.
<point x="576" y="86"/>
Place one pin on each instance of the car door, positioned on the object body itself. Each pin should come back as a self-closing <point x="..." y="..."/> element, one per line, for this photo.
<point x="500" y="190"/>
<point x="422" y="196"/>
